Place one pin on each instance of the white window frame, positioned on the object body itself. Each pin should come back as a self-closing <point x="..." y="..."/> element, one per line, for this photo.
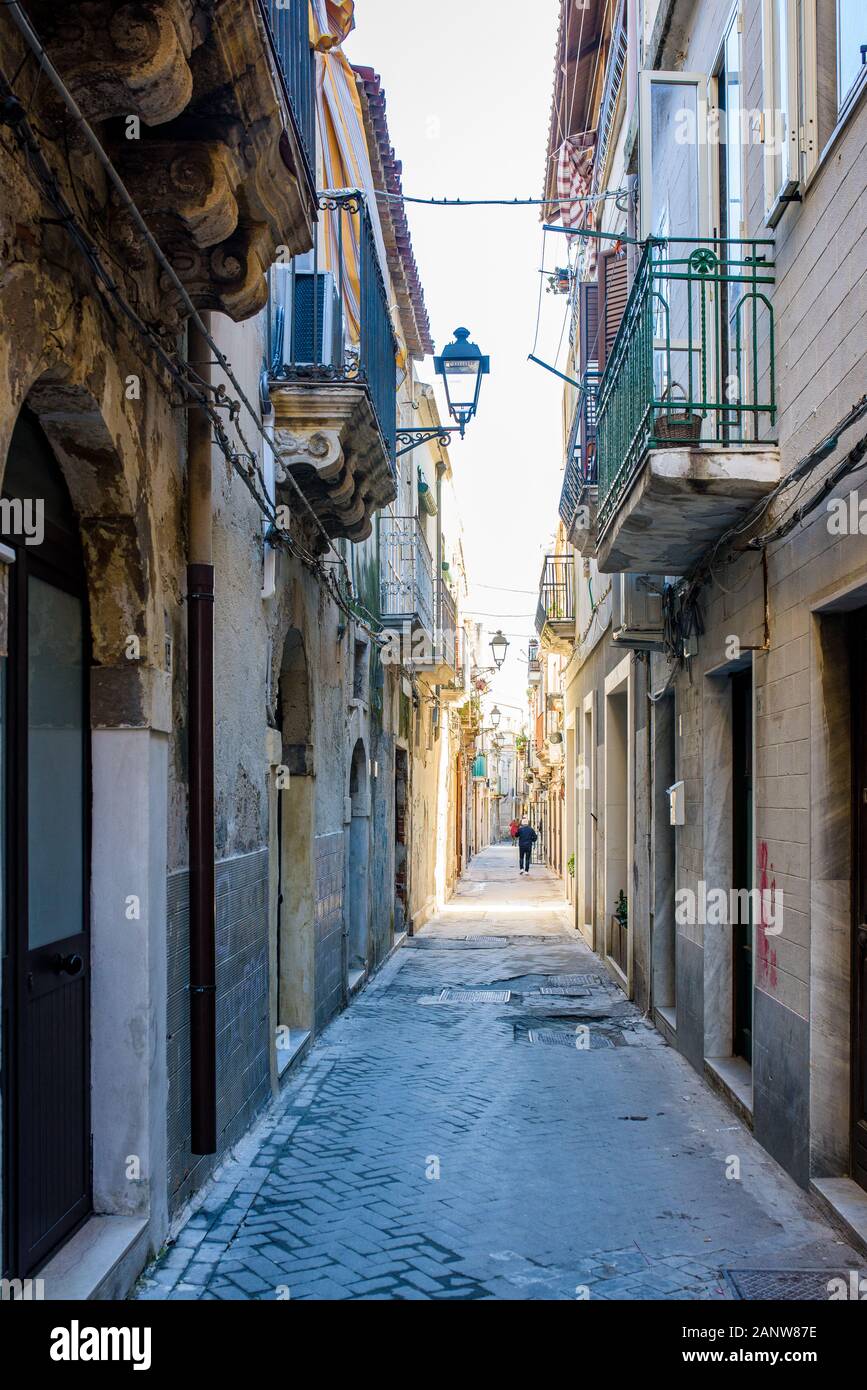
<point x="802" y="98"/>
<point x="699" y="81"/>
<point x="778" y="194"/>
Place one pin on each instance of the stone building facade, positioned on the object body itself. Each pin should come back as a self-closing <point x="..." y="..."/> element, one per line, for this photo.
<point x="712" y="688"/>
<point x="186" y="454"/>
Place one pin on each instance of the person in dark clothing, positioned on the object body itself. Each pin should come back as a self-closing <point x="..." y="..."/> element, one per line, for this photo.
<point x="527" y="837"/>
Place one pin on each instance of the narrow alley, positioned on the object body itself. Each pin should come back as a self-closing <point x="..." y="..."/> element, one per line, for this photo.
<point x="491" y="1119"/>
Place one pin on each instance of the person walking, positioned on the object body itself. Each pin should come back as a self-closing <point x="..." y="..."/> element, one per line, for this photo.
<point x="513" y="830"/>
<point x="527" y="837"/>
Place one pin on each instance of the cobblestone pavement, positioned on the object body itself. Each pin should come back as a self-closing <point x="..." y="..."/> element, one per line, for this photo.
<point x="542" y="1143"/>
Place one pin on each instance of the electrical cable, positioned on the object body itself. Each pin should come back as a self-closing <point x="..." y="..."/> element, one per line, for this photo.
<point x="32" y="39"/>
<point x="16" y="116"/>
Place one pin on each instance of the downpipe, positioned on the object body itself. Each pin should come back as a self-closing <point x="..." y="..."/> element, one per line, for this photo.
<point x="200" y="726"/>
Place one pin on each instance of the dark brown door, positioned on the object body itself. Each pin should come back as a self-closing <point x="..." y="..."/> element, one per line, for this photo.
<point x="859" y="898"/>
<point x="47" y="958"/>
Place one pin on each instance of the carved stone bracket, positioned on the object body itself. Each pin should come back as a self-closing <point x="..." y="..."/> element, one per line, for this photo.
<point x="327" y="438"/>
<point x="122" y="57"/>
<point x="216" y="167"/>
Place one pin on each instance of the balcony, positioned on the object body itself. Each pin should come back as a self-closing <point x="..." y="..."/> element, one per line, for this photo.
<point x="333" y="376"/>
<point x="686" y="405"/>
<point x="219" y="172"/>
<point x="579" y="494"/>
<point x="288" y="26"/>
<point x="555" y="614"/>
<point x="406" y="584"/>
<point x="534" y="665"/>
<point x="456" y="687"/>
<point x="444" y="670"/>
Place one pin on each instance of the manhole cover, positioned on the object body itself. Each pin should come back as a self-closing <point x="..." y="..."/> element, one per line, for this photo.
<point x="475" y="996"/>
<point x="560" y="1037"/>
<point x="795" y="1285"/>
<point x="566" y="991"/>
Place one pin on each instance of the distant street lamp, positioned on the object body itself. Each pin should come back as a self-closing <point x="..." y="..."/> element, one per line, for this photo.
<point x="499" y="645"/>
<point x="495" y="718"/>
<point x="461" y="366"/>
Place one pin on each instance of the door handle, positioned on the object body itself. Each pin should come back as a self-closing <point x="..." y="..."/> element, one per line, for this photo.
<point x="72" y="964"/>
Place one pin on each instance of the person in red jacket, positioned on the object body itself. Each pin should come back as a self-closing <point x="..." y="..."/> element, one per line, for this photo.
<point x="513" y="830"/>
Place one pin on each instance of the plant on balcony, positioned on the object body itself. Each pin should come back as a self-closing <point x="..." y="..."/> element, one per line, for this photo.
<point x="621" y="911"/>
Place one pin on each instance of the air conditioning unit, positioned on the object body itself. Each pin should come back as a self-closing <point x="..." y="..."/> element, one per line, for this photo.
<point x="636" y="617"/>
<point x="306" y="302"/>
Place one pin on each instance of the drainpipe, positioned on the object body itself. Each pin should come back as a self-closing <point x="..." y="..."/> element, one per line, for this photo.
<point x="200" y="662"/>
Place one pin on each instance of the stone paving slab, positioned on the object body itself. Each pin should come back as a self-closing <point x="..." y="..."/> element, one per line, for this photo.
<point x="430" y="1153"/>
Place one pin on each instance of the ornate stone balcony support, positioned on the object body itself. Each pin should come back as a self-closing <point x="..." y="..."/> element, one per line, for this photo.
<point x="216" y="165"/>
<point x="326" y="435"/>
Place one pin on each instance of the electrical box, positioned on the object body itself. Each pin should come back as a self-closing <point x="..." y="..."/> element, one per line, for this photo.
<point x="676" y="804"/>
<point x="636" y="613"/>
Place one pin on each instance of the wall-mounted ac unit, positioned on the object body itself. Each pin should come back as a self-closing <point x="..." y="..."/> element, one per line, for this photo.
<point x="309" y="302"/>
<point x="636" y="616"/>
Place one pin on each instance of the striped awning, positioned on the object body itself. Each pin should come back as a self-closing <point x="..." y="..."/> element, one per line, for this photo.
<point x="343" y="157"/>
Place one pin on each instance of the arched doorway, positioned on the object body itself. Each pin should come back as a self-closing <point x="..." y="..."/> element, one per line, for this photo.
<point x="46" y="854"/>
<point x="358" y="877"/>
<point x="296" y="907"/>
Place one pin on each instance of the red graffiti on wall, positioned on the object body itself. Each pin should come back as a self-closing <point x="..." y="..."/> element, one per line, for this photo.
<point x="767" y="953"/>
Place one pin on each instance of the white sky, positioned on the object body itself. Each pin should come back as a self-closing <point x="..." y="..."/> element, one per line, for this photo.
<point x="468" y="87"/>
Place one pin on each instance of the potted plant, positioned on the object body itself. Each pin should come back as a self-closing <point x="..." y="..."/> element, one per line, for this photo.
<point x="570" y="865"/>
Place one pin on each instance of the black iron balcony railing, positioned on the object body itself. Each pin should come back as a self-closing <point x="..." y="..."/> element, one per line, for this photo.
<point x="406" y="574"/>
<point x="693" y="360"/>
<point x="288" y="22"/>
<point x="330" y="319"/>
<point x="580" y="450"/>
<point x="556" y="592"/>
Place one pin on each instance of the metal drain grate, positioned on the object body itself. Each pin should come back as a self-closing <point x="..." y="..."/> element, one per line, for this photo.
<point x="794" y="1285"/>
<point x="559" y="1037"/>
<point x="480" y="940"/>
<point x="566" y="981"/>
<point x="475" y="996"/>
<point x="565" y="991"/>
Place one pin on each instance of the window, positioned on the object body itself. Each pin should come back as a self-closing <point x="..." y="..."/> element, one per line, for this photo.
<point x="672" y="153"/>
<point x="784" y="102"/>
<point x="815" y="63"/>
<point x="851" y="47"/>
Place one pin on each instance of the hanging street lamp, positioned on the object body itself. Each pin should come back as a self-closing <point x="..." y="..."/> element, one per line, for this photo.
<point x="499" y="645"/>
<point x="461" y="366"/>
<point x="495" y="718"/>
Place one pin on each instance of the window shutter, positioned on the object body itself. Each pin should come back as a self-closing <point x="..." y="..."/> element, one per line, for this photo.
<point x="613" y="283"/>
<point x="589" y="324"/>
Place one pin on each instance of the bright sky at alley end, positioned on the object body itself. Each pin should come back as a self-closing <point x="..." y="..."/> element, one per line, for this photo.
<point x="468" y="89"/>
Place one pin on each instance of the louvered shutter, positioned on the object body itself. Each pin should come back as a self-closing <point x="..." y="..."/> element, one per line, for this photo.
<point x="589" y="325"/>
<point x="613" y="283"/>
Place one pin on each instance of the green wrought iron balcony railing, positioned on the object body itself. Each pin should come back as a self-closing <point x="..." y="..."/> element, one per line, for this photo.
<point x="693" y="361"/>
<point x="580" y="471"/>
